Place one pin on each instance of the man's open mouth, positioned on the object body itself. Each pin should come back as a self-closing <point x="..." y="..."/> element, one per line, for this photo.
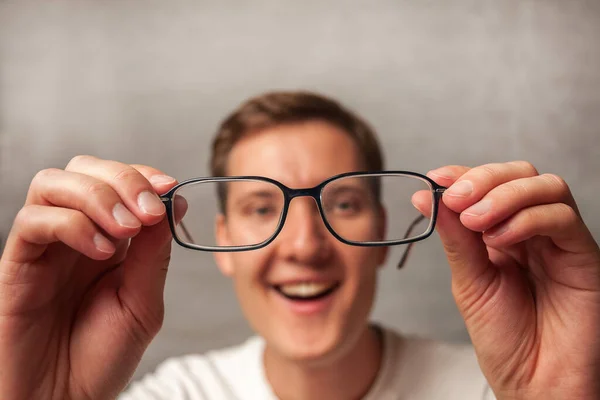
<point x="306" y="291"/>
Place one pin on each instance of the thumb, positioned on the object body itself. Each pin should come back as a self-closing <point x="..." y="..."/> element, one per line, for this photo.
<point x="144" y="275"/>
<point x="465" y="250"/>
<point x="145" y="266"/>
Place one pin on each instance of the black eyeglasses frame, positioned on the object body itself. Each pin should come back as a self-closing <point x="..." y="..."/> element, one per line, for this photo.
<point x="315" y="192"/>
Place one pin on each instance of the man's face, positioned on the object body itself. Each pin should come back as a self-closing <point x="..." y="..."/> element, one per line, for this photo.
<point x="304" y="259"/>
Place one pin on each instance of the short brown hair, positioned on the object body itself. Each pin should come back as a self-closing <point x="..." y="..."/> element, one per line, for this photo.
<point x="286" y="107"/>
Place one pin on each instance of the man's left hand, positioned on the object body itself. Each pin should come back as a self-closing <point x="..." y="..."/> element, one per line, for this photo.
<point x="526" y="278"/>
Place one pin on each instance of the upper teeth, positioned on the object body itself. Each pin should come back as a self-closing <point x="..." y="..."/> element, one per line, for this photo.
<point x="305" y="289"/>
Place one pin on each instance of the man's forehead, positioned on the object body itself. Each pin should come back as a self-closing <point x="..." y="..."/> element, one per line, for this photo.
<point x="299" y="155"/>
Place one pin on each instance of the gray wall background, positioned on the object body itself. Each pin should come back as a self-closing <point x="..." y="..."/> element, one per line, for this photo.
<point x="462" y="82"/>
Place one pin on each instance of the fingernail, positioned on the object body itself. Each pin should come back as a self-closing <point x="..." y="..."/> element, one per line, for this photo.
<point x="103" y="244"/>
<point x="479" y="208"/>
<point x="495" y="232"/>
<point x="161" y="179"/>
<point x="443" y="172"/>
<point x="460" y="189"/>
<point x="150" y="204"/>
<point x="124" y="217"/>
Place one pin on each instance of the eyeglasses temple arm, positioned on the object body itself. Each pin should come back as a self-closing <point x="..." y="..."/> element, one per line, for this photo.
<point x="438" y="192"/>
<point x="186" y="232"/>
<point x="410" y="245"/>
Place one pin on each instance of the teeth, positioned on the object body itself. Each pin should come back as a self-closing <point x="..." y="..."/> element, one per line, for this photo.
<point x="305" y="289"/>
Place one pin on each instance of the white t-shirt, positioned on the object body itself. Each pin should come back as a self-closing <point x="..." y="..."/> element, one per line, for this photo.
<point x="412" y="369"/>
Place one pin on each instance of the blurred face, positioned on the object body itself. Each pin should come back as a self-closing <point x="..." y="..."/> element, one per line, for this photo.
<point x="306" y="293"/>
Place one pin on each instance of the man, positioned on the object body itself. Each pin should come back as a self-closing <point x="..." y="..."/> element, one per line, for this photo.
<point x="79" y="302"/>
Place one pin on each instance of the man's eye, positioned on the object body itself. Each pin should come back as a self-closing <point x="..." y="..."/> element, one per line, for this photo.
<point x="345" y="206"/>
<point x="263" y="210"/>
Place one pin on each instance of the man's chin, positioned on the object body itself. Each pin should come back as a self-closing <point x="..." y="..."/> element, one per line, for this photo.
<point x="308" y="349"/>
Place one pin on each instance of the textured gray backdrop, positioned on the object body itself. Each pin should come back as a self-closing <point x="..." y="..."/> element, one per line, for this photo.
<point x="462" y="82"/>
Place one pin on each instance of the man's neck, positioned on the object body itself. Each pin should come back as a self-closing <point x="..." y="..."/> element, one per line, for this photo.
<point x="347" y="377"/>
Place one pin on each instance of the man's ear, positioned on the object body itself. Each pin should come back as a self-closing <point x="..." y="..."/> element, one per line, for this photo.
<point x="223" y="259"/>
<point x="383" y="251"/>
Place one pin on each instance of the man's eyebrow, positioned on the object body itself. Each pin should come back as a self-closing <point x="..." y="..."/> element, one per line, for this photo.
<point x="266" y="194"/>
<point x="260" y="193"/>
<point x="347" y="188"/>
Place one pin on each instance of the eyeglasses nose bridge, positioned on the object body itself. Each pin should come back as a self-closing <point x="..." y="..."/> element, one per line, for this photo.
<point x="305" y="192"/>
<point x="306" y="217"/>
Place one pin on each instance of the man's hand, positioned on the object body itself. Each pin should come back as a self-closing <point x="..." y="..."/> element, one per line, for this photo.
<point x="81" y="280"/>
<point x="525" y="277"/>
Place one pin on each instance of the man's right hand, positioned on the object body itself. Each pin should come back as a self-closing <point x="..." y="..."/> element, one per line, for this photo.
<point x="81" y="280"/>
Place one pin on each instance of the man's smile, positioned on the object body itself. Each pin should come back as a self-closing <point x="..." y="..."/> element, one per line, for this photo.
<point x="307" y="290"/>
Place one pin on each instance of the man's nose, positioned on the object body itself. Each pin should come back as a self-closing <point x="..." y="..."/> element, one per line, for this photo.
<point x="304" y="237"/>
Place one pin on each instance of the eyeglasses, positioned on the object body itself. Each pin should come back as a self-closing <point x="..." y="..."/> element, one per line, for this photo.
<point x="357" y="208"/>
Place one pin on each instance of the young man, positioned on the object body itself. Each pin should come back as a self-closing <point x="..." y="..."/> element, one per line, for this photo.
<point x="79" y="304"/>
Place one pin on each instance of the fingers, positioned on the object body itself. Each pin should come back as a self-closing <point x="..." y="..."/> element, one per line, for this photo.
<point x="558" y="224"/>
<point x="180" y="207"/>
<point x="95" y="198"/>
<point x="502" y="205"/>
<point x="92" y="200"/>
<point x="132" y="187"/>
<point x="37" y="226"/>
<point x="122" y="246"/>
<point x="447" y="175"/>
<point x="160" y="182"/>
<point x="444" y="176"/>
<point x="107" y="211"/>
<point x="148" y="253"/>
<point x="465" y="250"/>
<point x="508" y="198"/>
<point x="114" y="195"/>
<point x="488" y="196"/>
<point x="558" y="221"/>
<point x="475" y="183"/>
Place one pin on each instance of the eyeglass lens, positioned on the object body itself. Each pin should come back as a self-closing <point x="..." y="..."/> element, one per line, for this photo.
<point x="359" y="209"/>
